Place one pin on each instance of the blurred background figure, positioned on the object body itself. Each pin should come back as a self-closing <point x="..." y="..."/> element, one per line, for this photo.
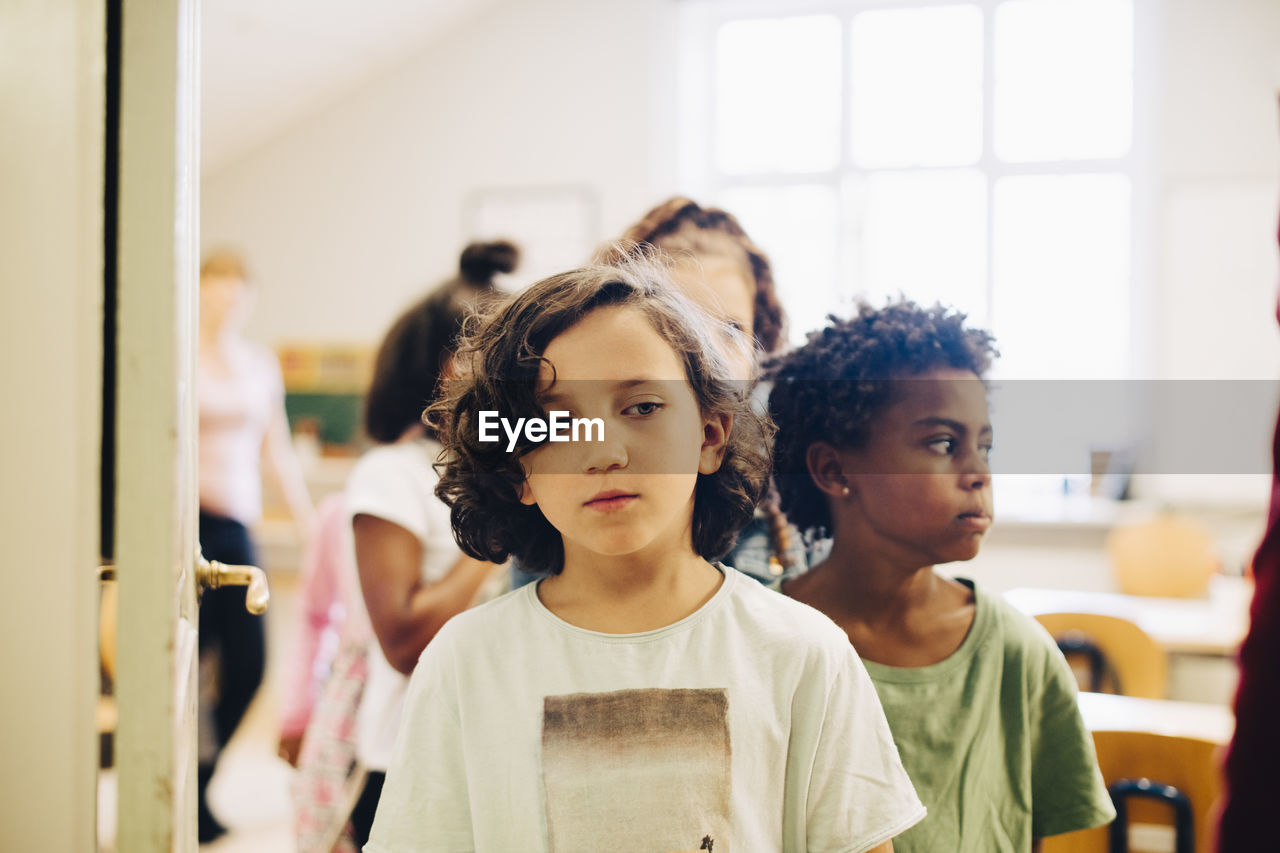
<point x="717" y="264"/>
<point x="242" y="422"/>
<point x="723" y="270"/>
<point x="412" y="578"/>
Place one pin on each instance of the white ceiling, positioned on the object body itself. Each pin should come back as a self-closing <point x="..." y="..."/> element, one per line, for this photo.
<point x="265" y="65"/>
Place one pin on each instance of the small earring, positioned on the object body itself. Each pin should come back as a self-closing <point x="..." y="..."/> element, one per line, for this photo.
<point x="845" y="491"/>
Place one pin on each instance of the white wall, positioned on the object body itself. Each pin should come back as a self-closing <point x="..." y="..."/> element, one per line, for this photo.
<point x="352" y="212"/>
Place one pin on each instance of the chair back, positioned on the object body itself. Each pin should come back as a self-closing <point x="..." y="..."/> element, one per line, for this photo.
<point x="1144" y="763"/>
<point x="1170" y="556"/>
<point x="1140" y="667"/>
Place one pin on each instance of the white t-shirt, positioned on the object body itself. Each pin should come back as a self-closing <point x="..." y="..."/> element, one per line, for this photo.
<point x="236" y="408"/>
<point x="749" y="726"/>
<point x="396" y="482"/>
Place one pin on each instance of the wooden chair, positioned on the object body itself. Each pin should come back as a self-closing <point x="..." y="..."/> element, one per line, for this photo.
<point x="1189" y="765"/>
<point x="1140" y="666"/>
<point x="1169" y="556"/>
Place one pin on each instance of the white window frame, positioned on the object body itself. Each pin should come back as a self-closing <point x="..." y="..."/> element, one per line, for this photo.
<point x="701" y="19"/>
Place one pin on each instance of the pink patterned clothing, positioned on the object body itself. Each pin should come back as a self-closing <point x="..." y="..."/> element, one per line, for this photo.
<point x="236" y="408"/>
<point x="329" y="778"/>
<point x="331" y="612"/>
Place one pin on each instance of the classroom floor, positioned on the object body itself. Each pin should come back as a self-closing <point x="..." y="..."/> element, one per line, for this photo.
<point x="250" y="793"/>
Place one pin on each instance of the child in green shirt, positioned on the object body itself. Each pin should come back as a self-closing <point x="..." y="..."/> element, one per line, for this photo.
<point x="883" y="443"/>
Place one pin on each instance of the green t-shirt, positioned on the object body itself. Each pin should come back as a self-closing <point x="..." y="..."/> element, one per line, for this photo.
<point x="993" y="740"/>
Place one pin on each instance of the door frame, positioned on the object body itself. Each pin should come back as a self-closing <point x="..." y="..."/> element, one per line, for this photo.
<point x="52" y="93"/>
<point x="155" y="465"/>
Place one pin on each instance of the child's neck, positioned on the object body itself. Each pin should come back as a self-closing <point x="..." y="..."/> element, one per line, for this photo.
<point x="895" y="611"/>
<point x="874" y="587"/>
<point x="630" y="594"/>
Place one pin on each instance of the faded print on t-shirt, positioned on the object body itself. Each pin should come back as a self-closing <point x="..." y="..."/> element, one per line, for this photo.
<point x="637" y="770"/>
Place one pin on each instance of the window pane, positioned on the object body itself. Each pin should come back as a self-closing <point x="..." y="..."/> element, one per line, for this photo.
<point x="924" y="235"/>
<point x="1063" y="79"/>
<point x="1061" y="276"/>
<point x="777" y="95"/>
<point x="916" y="87"/>
<point x="797" y="227"/>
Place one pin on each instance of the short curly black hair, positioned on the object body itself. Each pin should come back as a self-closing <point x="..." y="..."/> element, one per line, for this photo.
<point x="834" y="387"/>
<point x="497" y="369"/>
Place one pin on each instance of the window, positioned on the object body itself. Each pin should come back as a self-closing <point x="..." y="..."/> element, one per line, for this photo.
<point x="977" y="153"/>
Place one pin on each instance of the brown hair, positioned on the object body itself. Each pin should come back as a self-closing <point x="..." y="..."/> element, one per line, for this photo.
<point x="498" y="369"/>
<point x="680" y="224"/>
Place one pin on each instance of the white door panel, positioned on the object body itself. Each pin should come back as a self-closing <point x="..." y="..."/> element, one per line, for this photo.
<point x="156" y="501"/>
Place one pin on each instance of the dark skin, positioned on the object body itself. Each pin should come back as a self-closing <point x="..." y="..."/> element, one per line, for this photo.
<point x="405" y="612"/>
<point x="907" y="622"/>
<point x="916" y="495"/>
<point x="289" y="748"/>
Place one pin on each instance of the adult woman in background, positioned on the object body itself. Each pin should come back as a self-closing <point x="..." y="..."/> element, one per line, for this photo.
<point x="240" y="397"/>
<point x="413" y="576"/>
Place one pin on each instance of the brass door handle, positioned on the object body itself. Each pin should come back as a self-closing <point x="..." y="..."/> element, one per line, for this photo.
<point x="211" y="574"/>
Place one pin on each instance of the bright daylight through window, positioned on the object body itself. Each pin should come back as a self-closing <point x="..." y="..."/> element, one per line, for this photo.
<point x="974" y="153"/>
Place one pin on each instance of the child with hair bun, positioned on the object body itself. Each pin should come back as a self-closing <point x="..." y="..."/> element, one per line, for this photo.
<point x="408" y="577"/>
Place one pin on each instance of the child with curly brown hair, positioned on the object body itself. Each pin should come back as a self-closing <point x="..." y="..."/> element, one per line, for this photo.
<point x="639" y="696"/>
<point x="883" y="443"/>
<point x="714" y="262"/>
